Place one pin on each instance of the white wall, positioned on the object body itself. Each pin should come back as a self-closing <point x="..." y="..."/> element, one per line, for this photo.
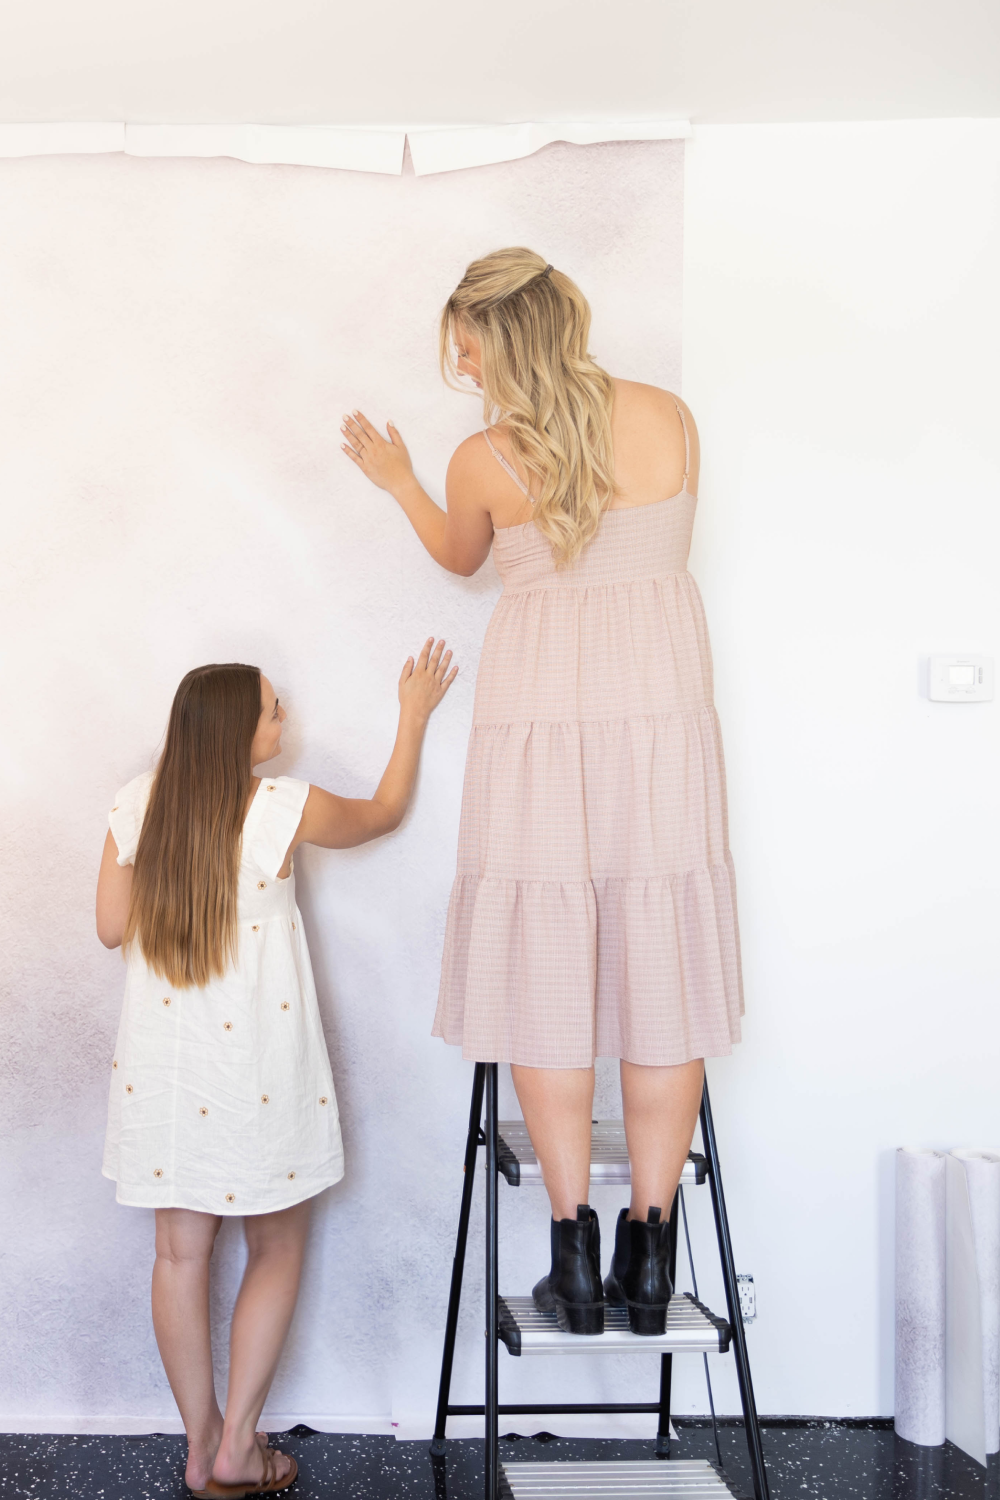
<point x="842" y="321"/>
<point x="177" y="342"/>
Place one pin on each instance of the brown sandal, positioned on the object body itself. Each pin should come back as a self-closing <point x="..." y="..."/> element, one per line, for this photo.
<point x="268" y="1485"/>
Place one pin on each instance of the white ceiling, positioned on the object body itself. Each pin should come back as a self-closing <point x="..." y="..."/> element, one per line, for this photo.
<point x="457" y="62"/>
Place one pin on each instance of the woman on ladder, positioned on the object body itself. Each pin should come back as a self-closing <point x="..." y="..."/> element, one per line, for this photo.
<point x="594" y="911"/>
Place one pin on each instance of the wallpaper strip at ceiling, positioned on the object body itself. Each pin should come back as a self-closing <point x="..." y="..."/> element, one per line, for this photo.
<point x="359" y="150"/>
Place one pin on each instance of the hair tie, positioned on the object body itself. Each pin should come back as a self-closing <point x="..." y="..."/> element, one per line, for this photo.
<point x="538" y="276"/>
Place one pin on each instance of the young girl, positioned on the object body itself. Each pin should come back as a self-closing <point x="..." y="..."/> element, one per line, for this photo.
<point x="594" y="910"/>
<point x="222" y="1100"/>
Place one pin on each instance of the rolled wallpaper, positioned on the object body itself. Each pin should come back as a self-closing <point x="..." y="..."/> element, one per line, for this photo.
<point x="920" y="1295"/>
<point x="972" y="1357"/>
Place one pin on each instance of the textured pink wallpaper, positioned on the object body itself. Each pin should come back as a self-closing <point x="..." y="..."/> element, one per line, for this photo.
<point x="178" y="340"/>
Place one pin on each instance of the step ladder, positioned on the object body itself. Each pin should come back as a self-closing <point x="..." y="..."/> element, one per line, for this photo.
<point x="525" y="1330"/>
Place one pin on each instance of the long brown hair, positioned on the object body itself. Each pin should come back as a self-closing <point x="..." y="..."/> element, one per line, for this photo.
<point x="539" y="381"/>
<point x="182" y="912"/>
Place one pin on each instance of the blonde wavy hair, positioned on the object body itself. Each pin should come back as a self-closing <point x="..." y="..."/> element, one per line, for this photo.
<point x="553" y="401"/>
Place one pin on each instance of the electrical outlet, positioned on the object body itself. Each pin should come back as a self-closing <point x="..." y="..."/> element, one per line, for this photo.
<point x="748" y="1297"/>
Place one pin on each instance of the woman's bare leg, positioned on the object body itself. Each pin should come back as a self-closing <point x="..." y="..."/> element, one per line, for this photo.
<point x="184" y="1244"/>
<point x="263" y="1311"/>
<point x="660" y="1106"/>
<point x="557" y="1104"/>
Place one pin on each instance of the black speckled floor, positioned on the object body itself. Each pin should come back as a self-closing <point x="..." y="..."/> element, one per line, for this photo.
<point x="821" y="1461"/>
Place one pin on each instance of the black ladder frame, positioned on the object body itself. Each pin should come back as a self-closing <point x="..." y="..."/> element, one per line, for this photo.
<point x="484" y="1086"/>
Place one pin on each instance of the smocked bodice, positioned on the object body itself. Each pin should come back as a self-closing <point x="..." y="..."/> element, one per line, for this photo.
<point x="640" y="541"/>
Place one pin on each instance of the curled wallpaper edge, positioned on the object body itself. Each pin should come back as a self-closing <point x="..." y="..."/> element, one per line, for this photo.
<point x="288" y="145"/>
<point x="450" y="149"/>
<point x="920" y="1295"/>
<point x="346" y="148"/>
<point x="61" y="138"/>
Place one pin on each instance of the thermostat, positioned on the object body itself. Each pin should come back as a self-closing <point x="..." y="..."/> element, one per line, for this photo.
<point x="961" y="679"/>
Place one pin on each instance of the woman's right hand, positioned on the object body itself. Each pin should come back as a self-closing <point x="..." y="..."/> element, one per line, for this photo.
<point x="424" y="682"/>
<point x="386" y="464"/>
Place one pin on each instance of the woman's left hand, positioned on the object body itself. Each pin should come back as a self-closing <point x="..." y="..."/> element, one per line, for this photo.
<point x="386" y="464"/>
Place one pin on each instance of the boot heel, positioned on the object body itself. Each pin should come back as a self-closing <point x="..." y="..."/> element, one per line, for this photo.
<point x="649" y="1322"/>
<point x="580" y="1317"/>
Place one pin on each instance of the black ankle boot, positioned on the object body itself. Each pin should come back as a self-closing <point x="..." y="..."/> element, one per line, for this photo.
<point x="614" y="1292"/>
<point x="645" y="1280"/>
<point x="573" y="1286"/>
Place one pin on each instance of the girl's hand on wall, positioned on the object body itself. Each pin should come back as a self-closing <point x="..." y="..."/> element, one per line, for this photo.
<point x="423" y="683"/>
<point x="344" y="822"/>
<point x="386" y="464"/>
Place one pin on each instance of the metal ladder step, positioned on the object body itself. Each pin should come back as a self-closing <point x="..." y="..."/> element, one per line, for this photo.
<point x="608" y="1156"/>
<point x="691" y="1329"/>
<point x="616" y="1479"/>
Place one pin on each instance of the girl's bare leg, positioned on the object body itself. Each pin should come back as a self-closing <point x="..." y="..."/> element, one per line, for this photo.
<point x="661" y="1108"/>
<point x="557" y="1104"/>
<point x="263" y="1311"/>
<point x="184" y="1244"/>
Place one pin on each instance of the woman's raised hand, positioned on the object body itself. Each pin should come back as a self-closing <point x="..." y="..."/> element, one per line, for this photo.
<point x="424" y="682"/>
<point x="386" y="464"/>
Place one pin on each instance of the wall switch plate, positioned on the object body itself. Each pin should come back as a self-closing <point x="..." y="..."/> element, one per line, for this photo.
<point x="748" y="1297"/>
<point x="961" y="679"/>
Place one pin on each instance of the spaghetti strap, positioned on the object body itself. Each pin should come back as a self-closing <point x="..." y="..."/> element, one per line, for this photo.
<point x="687" y="441"/>
<point x="505" y="465"/>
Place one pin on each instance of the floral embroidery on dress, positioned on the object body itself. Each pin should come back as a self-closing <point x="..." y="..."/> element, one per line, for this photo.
<point x="258" y="1051"/>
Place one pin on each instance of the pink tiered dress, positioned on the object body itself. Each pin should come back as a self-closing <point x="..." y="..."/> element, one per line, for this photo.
<point x="594" y="908"/>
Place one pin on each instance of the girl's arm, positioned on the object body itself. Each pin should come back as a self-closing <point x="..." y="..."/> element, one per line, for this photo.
<point x="458" y="538"/>
<point x="342" y="822"/>
<point x="114" y="887"/>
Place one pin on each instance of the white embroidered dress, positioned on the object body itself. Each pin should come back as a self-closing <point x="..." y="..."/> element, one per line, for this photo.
<point x="222" y="1098"/>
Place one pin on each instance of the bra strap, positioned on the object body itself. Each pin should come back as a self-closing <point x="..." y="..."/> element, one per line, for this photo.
<point x="506" y="466"/>
<point x="687" y="441"/>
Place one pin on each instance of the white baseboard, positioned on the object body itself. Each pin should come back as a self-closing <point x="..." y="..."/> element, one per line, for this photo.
<point x="417" y="1427"/>
<point x="117" y="1424"/>
<point x="420" y="1426"/>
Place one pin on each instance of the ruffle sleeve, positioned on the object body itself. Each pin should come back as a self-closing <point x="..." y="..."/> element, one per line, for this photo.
<point x="283" y="800"/>
<point x="125" y="818"/>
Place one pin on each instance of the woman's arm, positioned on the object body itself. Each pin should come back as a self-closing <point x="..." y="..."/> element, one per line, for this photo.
<point x="458" y="538"/>
<point x="342" y="822"/>
<point x="114" y="887"/>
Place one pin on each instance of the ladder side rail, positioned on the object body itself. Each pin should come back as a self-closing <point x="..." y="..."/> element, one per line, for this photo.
<point x="492" y="1290"/>
<point x="694" y="1288"/>
<point x="750" y="1421"/>
<point x="472" y="1144"/>
<point x="667" y="1360"/>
